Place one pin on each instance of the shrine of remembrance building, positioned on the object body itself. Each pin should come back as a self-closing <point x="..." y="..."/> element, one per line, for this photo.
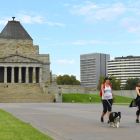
<point x="20" y="61"/>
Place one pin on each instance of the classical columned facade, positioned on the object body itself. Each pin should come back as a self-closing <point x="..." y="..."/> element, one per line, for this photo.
<point x="15" y="74"/>
<point x="20" y="61"/>
<point x="20" y="69"/>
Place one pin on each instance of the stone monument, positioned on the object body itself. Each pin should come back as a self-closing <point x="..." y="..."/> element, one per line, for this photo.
<point x="20" y="61"/>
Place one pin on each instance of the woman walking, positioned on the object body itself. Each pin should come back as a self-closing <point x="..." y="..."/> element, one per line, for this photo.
<point x="138" y="101"/>
<point x="107" y="98"/>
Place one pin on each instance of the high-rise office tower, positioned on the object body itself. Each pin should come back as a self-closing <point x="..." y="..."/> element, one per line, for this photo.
<point x="92" y="66"/>
<point x="124" y="68"/>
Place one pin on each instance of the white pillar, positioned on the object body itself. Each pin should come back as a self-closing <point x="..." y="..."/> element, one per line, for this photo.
<point x="5" y="74"/>
<point x="19" y="75"/>
<point x="40" y="75"/>
<point x="13" y="75"/>
<point x="34" y="74"/>
<point x="27" y="74"/>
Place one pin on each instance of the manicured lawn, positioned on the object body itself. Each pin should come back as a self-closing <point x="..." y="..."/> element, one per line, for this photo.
<point x="12" y="128"/>
<point x="122" y="104"/>
<point x="95" y="98"/>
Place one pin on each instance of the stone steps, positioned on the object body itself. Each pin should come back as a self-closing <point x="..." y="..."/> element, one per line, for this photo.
<point x="23" y="93"/>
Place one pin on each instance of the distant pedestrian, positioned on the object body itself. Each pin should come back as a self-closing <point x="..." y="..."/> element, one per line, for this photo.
<point x="54" y="100"/>
<point x="107" y="98"/>
<point x="90" y="98"/>
<point x="138" y="101"/>
<point x="7" y="86"/>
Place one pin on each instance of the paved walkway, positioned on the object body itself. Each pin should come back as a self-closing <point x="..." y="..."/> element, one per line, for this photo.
<point x="64" y="121"/>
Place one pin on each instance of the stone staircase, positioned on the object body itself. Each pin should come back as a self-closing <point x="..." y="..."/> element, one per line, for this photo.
<point x="23" y="93"/>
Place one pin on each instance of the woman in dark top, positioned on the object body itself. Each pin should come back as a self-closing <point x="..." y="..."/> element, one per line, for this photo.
<point x="138" y="101"/>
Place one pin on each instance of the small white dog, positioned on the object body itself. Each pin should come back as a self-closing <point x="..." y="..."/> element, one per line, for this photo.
<point x="114" y="119"/>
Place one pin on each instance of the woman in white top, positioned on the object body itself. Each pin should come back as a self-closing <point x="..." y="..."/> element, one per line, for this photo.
<point x="107" y="96"/>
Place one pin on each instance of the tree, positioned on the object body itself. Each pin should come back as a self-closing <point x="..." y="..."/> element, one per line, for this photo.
<point x="131" y="83"/>
<point x="116" y="84"/>
<point x="67" y="80"/>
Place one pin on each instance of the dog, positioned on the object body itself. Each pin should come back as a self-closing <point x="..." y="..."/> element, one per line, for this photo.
<point x="114" y="119"/>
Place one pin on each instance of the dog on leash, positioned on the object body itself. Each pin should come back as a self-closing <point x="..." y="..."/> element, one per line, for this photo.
<point x="114" y="119"/>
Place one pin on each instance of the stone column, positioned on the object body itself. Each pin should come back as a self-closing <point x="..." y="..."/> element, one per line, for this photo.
<point x="13" y="75"/>
<point x="5" y="74"/>
<point x="27" y="74"/>
<point x="19" y="75"/>
<point x="40" y="75"/>
<point x="34" y="74"/>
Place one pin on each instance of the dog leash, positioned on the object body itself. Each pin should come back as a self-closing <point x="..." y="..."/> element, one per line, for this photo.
<point x="109" y="103"/>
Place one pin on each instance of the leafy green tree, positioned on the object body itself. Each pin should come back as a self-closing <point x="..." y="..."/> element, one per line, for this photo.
<point x="67" y="80"/>
<point x="131" y="83"/>
<point x="116" y="83"/>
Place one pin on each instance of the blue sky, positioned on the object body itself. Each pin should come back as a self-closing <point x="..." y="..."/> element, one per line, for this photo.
<point x="65" y="29"/>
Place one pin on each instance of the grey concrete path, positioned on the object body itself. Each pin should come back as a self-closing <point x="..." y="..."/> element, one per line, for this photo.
<point x="63" y="121"/>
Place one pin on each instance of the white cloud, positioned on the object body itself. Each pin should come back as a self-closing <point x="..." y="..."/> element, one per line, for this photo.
<point x="4" y="20"/>
<point x="30" y="19"/>
<point x="24" y="18"/>
<point x="102" y="11"/>
<point x="132" y="25"/>
<point x="97" y="42"/>
<point x="63" y="61"/>
<point x="79" y="42"/>
<point x="84" y="42"/>
<point x="59" y="24"/>
<point x="66" y="4"/>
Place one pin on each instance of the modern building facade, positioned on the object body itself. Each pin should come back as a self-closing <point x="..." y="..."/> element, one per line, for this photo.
<point x="20" y="61"/>
<point x="124" y="68"/>
<point x="92" y="66"/>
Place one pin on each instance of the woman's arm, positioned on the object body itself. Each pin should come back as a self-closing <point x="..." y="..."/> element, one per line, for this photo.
<point x="102" y="88"/>
<point x="137" y="90"/>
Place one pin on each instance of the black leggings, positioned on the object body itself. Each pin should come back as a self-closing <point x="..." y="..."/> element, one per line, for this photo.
<point x="106" y="105"/>
<point x="138" y="104"/>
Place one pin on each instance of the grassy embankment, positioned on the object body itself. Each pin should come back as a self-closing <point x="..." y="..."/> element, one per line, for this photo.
<point x="95" y="98"/>
<point x="12" y="128"/>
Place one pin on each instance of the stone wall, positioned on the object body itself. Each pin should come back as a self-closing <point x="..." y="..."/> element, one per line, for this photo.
<point x="16" y="41"/>
<point x="124" y="93"/>
<point x="46" y="74"/>
<point x="58" y="90"/>
<point x="22" y="47"/>
<point x="10" y="46"/>
<point x="45" y="58"/>
<point x="89" y="90"/>
<point x="52" y="89"/>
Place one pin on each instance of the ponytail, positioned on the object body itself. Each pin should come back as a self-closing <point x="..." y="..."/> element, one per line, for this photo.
<point x="103" y="82"/>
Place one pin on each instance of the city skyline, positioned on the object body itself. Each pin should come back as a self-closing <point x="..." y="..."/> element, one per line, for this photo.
<point x="68" y="29"/>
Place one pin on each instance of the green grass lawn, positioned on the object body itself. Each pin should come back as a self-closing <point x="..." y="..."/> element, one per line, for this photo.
<point x="122" y="104"/>
<point x="12" y="128"/>
<point x="95" y="98"/>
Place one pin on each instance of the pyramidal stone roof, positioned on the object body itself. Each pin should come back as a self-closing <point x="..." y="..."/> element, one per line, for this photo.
<point x="14" y="30"/>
